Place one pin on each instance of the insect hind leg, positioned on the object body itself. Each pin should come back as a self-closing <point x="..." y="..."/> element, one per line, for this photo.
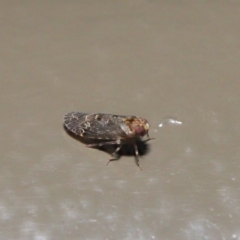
<point x="114" y="154"/>
<point x="103" y="143"/>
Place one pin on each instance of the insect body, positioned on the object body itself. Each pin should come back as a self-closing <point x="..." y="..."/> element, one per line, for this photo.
<point x="110" y="129"/>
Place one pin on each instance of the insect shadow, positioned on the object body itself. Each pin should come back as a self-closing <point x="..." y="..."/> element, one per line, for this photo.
<point x="127" y="149"/>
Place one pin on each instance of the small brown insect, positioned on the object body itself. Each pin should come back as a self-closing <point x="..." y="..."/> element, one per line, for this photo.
<point x="110" y="129"/>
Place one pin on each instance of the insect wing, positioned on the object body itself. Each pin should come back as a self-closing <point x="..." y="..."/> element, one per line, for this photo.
<point x="73" y="121"/>
<point x="96" y="126"/>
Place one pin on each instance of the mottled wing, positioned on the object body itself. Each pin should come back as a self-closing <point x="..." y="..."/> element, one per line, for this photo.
<point x="74" y="122"/>
<point x="96" y="126"/>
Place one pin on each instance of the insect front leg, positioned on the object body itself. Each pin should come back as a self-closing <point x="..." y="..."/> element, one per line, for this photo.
<point x="148" y="139"/>
<point x="137" y="155"/>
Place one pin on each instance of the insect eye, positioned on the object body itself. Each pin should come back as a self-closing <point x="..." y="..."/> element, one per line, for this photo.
<point x="98" y="118"/>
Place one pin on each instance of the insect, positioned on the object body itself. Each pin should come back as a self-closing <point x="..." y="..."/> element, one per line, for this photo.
<point x="110" y="129"/>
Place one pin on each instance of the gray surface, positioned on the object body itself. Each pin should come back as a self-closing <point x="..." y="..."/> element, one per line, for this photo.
<point x="174" y="59"/>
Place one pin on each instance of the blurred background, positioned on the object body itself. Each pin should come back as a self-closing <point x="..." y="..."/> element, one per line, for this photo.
<point x="165" y="61"/>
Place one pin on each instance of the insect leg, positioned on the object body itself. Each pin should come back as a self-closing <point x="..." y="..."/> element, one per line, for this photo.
<point x="148" y="139"/>
<point x="137" y="155"/>
<point x="117" y="142"/>
<point x="102" y="144"/>
<point x="114" y="154"/>
<point x="118" y="148"/>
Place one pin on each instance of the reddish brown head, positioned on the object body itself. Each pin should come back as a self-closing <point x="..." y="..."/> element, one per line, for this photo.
<point x="138" y="126"/>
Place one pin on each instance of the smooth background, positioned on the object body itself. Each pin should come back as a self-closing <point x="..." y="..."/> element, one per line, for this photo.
<point x="155" y="59"/>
